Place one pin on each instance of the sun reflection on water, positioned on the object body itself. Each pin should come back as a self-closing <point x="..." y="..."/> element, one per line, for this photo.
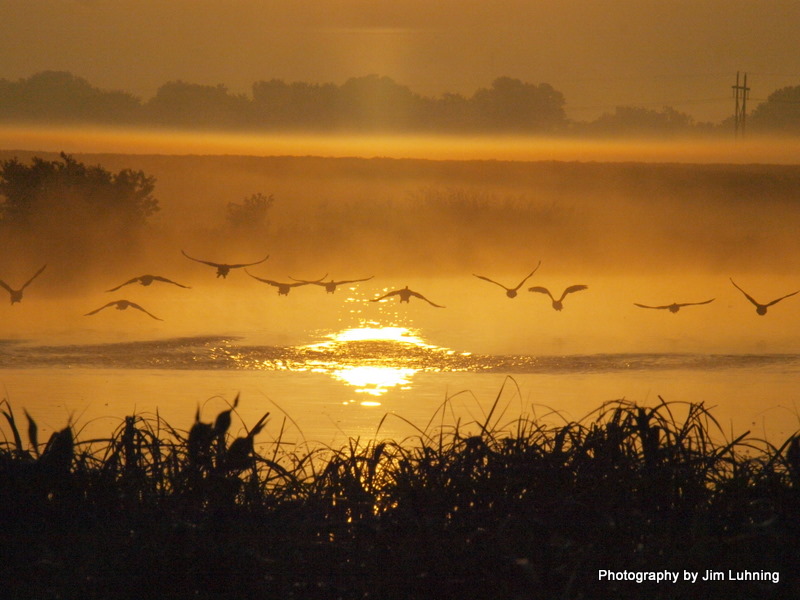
<point x="372" y="358"/>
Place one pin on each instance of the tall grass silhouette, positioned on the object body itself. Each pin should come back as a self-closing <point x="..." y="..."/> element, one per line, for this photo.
<point x="496" y="507"/>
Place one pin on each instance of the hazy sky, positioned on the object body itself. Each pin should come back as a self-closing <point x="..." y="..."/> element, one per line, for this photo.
<point x="599" y="53"/>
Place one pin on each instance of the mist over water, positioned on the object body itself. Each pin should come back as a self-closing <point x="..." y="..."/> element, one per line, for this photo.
<point x="673" y="230"/>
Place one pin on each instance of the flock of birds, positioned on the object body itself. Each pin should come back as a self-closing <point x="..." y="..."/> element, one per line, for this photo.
<point x="404" y="294"/>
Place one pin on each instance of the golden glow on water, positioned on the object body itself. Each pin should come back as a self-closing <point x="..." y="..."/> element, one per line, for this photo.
<point x="401" y="335"/>
<point x="374" y="380"/>
<point x="371" y="358"/>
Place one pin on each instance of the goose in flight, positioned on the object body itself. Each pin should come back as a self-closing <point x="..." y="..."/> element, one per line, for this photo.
<point x="122" y="305"/>
<point x="285" y="288"/>
<point x="222" y="268"/>
<point x="330" y="286"/>
<point x="16" y="295"/>
<point x="147" y="280"/>
<point x="510" y="292"/>
<point x="405" y="295"/>
<point x="675" y="306"/>
<point x="761" y="309"/>
<point x="558" y="304"/>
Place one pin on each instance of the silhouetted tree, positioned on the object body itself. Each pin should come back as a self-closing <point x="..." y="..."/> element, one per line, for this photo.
<point x="296" y="105"/>
<point x="205" y="106"/>
<point x="66" y="207"/>
<point x="61" y="96"/>
<point x="779" y="114"/>
<point x="374" y="102"/>
<point x="633" y="120"/>
<point x="511" y="105"/>
<point x="251" y="214"/>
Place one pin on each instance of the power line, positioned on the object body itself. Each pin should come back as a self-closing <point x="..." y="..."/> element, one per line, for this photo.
<point x="740" y="113"/>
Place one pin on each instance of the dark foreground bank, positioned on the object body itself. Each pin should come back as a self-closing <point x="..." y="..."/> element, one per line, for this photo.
<point x="633" y="503"/>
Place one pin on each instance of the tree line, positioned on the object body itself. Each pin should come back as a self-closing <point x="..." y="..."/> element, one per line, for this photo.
<point x="367" y="104"/>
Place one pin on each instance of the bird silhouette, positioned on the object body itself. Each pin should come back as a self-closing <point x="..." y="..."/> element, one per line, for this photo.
<point x="222" y="268"/>
<point x="147" y="280"/>
<point x="510" y="292"/>
<point x="761" y="309"/>
<point x="285" y="288"/>
<point x="405" y="295"/>
<point x="675" y="306"/>
<point x="330" y="286"/>
<point x="16" y="295"/>
<point x="122" y="305"/>
<point x="558" y="304"/>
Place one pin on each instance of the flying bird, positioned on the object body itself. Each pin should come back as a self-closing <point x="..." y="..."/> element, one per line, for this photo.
<point x="761" y="309"/>
<point x="122" y="305"/>
<point x="675" y="306"/>
<point x="510" y="292"/>
<point x="330" y="286"/>
<point x="147" y="280"/>
<point x="222" y="268"/>
<point x="16" y="295"/>
<point x="285" y="288"/>
<point x="558" y="304"/>
<point x="405" y="295"/>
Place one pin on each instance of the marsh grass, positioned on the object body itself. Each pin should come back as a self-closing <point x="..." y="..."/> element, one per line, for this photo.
<point x="497" y="507"/>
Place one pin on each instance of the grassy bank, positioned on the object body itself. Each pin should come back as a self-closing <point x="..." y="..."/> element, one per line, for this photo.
<point x="494" y="509"/>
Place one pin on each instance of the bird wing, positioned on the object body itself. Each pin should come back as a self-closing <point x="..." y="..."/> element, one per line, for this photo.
<point x="696" y="303"/>
<point x="573" y="288"/>
<point x="490" y="281"/>
<point x="348" y="280"/>
<point x="541" y="290"/>
<point x="134" y="280"/>
<point x="392" y="293"/>
<point x="421" y="297"/>
<point x="269" y="281"/>
<point x="134" y="305"/>
<point x="97" y="310"/>
<point x="646" y="306"/>
<point x="165" y="280"/>
<point x="35" y="275"/>
<point x="248" y="264"/>
<point x="529" y="275"/>
<point x="306" y="281"/>
<point x="782" y="297"/>
<point x="5" y="286"/>
<point x="746" y="295"/>
<point x="205" y="262"/>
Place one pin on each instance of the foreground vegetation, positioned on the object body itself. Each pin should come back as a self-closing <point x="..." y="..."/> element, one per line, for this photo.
<point x="491" y="509"/>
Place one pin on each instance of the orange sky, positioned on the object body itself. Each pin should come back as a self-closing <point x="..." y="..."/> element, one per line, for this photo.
<point x="599" y="53"/>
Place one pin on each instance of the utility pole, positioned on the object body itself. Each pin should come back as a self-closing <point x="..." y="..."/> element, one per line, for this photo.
<point x="740" y="93"/>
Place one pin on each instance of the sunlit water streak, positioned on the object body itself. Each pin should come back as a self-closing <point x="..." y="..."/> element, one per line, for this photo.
<point x="389" y="369"/>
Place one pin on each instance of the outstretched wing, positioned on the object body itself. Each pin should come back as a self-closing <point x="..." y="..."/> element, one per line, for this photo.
<point x="134" y="280"/>
<point x="490" y="281"/>
<point x="541" y="290"/>
<point x="344" y="281"/>
<point x="696" y="303"/>
<point x="165" y="280"/>
<point x="746" y="295"/>
<point x="205" y="262"/>
<point x="6" y="287"/>
<point x="782" y="297"/>
<point x="421" y="297"/>
<point x="573" y="288"/>
<point x="134" y="305"/>
<point x="529" y="276"/>
<point x="269" y="281"/>
<point x="35" y="275"/>
<point x="97" y="310"/>
<point x="646" y="306"/>
<point x="392" y="293"/>
<point x="248" y="264"/>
